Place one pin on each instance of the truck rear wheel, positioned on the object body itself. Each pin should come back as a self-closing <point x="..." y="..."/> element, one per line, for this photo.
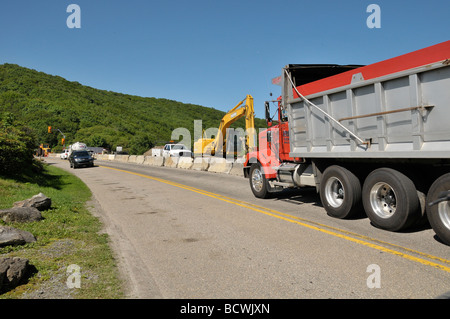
<point x="390" y="199"/>
<point x="439" y="214"/>
<point x="258" y="182"/>
<point x="340" y="192"/>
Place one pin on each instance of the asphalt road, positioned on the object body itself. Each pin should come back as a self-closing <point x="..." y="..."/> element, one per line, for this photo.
<point x="187" y="234"/>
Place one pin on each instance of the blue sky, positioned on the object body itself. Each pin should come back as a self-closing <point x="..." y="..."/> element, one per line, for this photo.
<point x="210" y="53"/>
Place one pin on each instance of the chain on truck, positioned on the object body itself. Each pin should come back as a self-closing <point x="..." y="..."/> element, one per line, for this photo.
<point x="372" y="139"/>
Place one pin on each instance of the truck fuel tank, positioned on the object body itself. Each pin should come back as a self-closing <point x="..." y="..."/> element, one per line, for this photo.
<point x="295" y="175"/>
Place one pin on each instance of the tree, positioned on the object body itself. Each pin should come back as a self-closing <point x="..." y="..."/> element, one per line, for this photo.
<point x="17" y="144"/>
<point x="97" y="141"/>
<point x="140" y="144"/>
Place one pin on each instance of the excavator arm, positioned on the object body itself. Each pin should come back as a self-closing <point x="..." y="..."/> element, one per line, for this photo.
<point x="218" y="144"/>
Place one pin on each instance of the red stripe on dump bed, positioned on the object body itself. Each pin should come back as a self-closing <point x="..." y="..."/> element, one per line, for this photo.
<point x="429" y="55"/>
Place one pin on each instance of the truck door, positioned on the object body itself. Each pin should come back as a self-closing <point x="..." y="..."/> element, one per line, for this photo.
<point x="273" y="143"/>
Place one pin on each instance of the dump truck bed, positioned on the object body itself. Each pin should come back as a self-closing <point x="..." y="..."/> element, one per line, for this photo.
<point x="398" y="108"/>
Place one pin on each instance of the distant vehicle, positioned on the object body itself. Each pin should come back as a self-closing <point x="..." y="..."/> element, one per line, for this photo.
<point x="80" y="158"/>
<point x="176" y="150"/>
<point x="65" y="154"/>
<point x="78" y="146"/>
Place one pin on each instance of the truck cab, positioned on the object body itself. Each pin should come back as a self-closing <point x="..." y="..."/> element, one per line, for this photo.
<point x="271" y="160"/>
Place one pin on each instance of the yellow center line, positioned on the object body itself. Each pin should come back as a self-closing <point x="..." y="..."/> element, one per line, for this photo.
<point x="362" y="240"/>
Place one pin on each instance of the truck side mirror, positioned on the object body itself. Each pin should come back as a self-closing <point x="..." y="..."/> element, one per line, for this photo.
<point x="268" y="119"/>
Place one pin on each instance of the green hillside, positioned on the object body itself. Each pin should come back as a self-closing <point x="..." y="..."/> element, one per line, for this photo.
<point x="96" y="117"/>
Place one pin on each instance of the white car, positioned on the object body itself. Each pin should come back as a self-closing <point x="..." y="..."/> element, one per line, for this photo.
<point x="176" y="150"/>
<point x="65" y="154"/>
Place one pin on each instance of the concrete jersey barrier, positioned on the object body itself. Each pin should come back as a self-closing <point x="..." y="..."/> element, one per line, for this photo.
<point x="207" y="164"/>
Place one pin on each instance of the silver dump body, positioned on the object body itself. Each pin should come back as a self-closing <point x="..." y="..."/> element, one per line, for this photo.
<point x="400" y="115"/>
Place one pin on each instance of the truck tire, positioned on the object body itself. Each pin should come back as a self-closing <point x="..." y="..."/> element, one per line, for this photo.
<point x="258" y="182"/>
<point x="439" y="214"/>
<point x="340" y="192"/>
<point x="390" y="200"/>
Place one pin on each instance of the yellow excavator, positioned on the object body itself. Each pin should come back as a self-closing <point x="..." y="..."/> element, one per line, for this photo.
<point x="213" y="146"/>
<point x="43" y="150"/>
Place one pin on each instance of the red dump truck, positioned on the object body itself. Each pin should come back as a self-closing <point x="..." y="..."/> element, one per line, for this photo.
<point x="371" y="139"/>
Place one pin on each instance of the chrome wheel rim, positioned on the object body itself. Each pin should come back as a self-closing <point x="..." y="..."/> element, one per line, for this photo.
<point x="383" y="200"/>
<point x="257" y="180"/>
<point x="334" y="192"/>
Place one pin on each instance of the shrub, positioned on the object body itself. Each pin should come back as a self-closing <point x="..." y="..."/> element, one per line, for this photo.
<point x="17" y="144"/>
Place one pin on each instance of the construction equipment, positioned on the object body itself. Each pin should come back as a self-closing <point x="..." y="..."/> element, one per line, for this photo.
<point x="373" y="139"/>
<point x="44" y="150"/>
<point x="218" y="144"/>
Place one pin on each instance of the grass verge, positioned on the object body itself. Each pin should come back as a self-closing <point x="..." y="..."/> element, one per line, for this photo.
<point x="68" y="235"/>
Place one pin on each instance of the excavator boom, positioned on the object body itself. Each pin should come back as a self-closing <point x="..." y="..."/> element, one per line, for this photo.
<point x="212" y="146"/>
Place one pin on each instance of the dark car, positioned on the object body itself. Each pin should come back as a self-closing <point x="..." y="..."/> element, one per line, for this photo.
<point x="80" y="158"/>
